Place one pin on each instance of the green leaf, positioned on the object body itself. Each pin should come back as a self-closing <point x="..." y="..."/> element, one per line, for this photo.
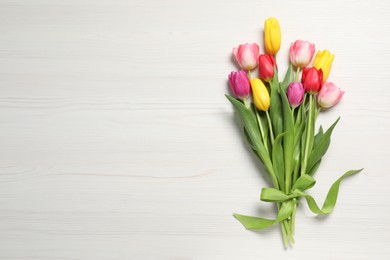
<point x="313" y="169"/>
<point x="302" y="132"/>
<point x="303" y="144"/>
<point x="296" y="162"/>
<point x="253" y="222"/>
<point x="318" y="136"/>
<point x="271" y="195"/>
<point x="264" y="124"/>
<point x="308" y="135"/>
<point x="288" y="78"/>
<point x="312" y="123"/>
<point x="301" y="113"/>
<point x="248" y="139"/>
<point x="288" y="140"/>
<point x="253" y="148"/>
<point x="299" y="124"/>
<point x="250" y="123"/>
<point x="321" y="147"/>
<point x="299" y="127"/>
<point x="278" y="161"/>
<point x="331" y="197"/>
<point x="248" y="119"/>
<point x="276" y="106"/>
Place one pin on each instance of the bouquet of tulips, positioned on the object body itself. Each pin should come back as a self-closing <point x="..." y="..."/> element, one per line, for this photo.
<point x="279" y="125"/>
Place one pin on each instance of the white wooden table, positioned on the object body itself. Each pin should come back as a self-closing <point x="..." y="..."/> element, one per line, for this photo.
<point x="117" y="141"/>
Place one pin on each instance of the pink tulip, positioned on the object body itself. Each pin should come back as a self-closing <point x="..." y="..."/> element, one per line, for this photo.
<point x="247" y="55"/>
<point x="301" y="53"/>
<point x="329" y="95"/>
<point x="295" y="93"/>
<point x="239" y="83"/>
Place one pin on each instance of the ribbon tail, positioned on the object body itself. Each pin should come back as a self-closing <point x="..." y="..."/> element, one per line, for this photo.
<point x="331" y="197"/>
<point x="255" y="223"/>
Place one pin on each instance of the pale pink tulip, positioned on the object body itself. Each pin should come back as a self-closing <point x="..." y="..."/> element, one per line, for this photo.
<point x="247" y="55"/>
<point x="329" y="95"/>
<point x="301" y="53"/>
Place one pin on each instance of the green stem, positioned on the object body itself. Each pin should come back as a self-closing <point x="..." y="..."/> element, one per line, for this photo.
<point x="317" y="112"/>
<point x="284" y="233"/>
<point x="287" y="183"/>
<point x="249" y="75"/>
<point x="309" y="130"/>
<point x="297" y="75"/>
<point x="293" y="112"/>
<point x="284" y="229"/>
<point x="271" y="132"/>
<point x="262" y="131"/>
<point x="293" y="218"/>
<point x="296" y="170"/>
<point x="244" y="101"/>
<point x="288" y="230"/>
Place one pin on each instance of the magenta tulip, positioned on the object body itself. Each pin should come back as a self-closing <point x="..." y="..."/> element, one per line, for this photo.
<point x="295" y="94"/>
<point x="301" y="53"/>
<point x="329" y="95"/>
<point x="247" y="55"/>
<point x="239" y="83"/>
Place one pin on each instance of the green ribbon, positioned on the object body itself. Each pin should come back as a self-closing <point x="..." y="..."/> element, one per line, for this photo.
<point x="288" y="201"/>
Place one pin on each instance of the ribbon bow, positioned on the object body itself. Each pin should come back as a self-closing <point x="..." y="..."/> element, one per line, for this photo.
<point x="288" y="201"/>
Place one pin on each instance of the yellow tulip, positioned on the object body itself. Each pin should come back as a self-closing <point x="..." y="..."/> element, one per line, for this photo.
<point x="323" y="60"/>
<point x="260" y="94"/>
<point x="272" y="35"/>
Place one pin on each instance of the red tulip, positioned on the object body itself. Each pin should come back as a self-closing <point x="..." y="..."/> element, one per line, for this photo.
<point x="312" y="80"/>
<point x="266" y="66"/>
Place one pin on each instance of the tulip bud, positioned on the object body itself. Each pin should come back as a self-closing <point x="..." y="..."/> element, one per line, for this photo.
<point x="247" y="55"/>
<point x="323" y="60"/>
<point x="272" y="35"/>
<point x="295" y="93"/>
<point x="329" y="95"/>
<point x="312" y="80"/>
<point x="301" y="53"/>
<point x="239" y="83"/>
<point x="260" y="94"/>
<point x="266" y="66"/>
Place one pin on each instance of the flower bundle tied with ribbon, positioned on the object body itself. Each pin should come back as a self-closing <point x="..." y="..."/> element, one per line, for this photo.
<point x="279" y="125"/>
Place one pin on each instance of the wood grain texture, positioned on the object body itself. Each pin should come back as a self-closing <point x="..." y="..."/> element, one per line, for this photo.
<point x="117" y="141"/>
